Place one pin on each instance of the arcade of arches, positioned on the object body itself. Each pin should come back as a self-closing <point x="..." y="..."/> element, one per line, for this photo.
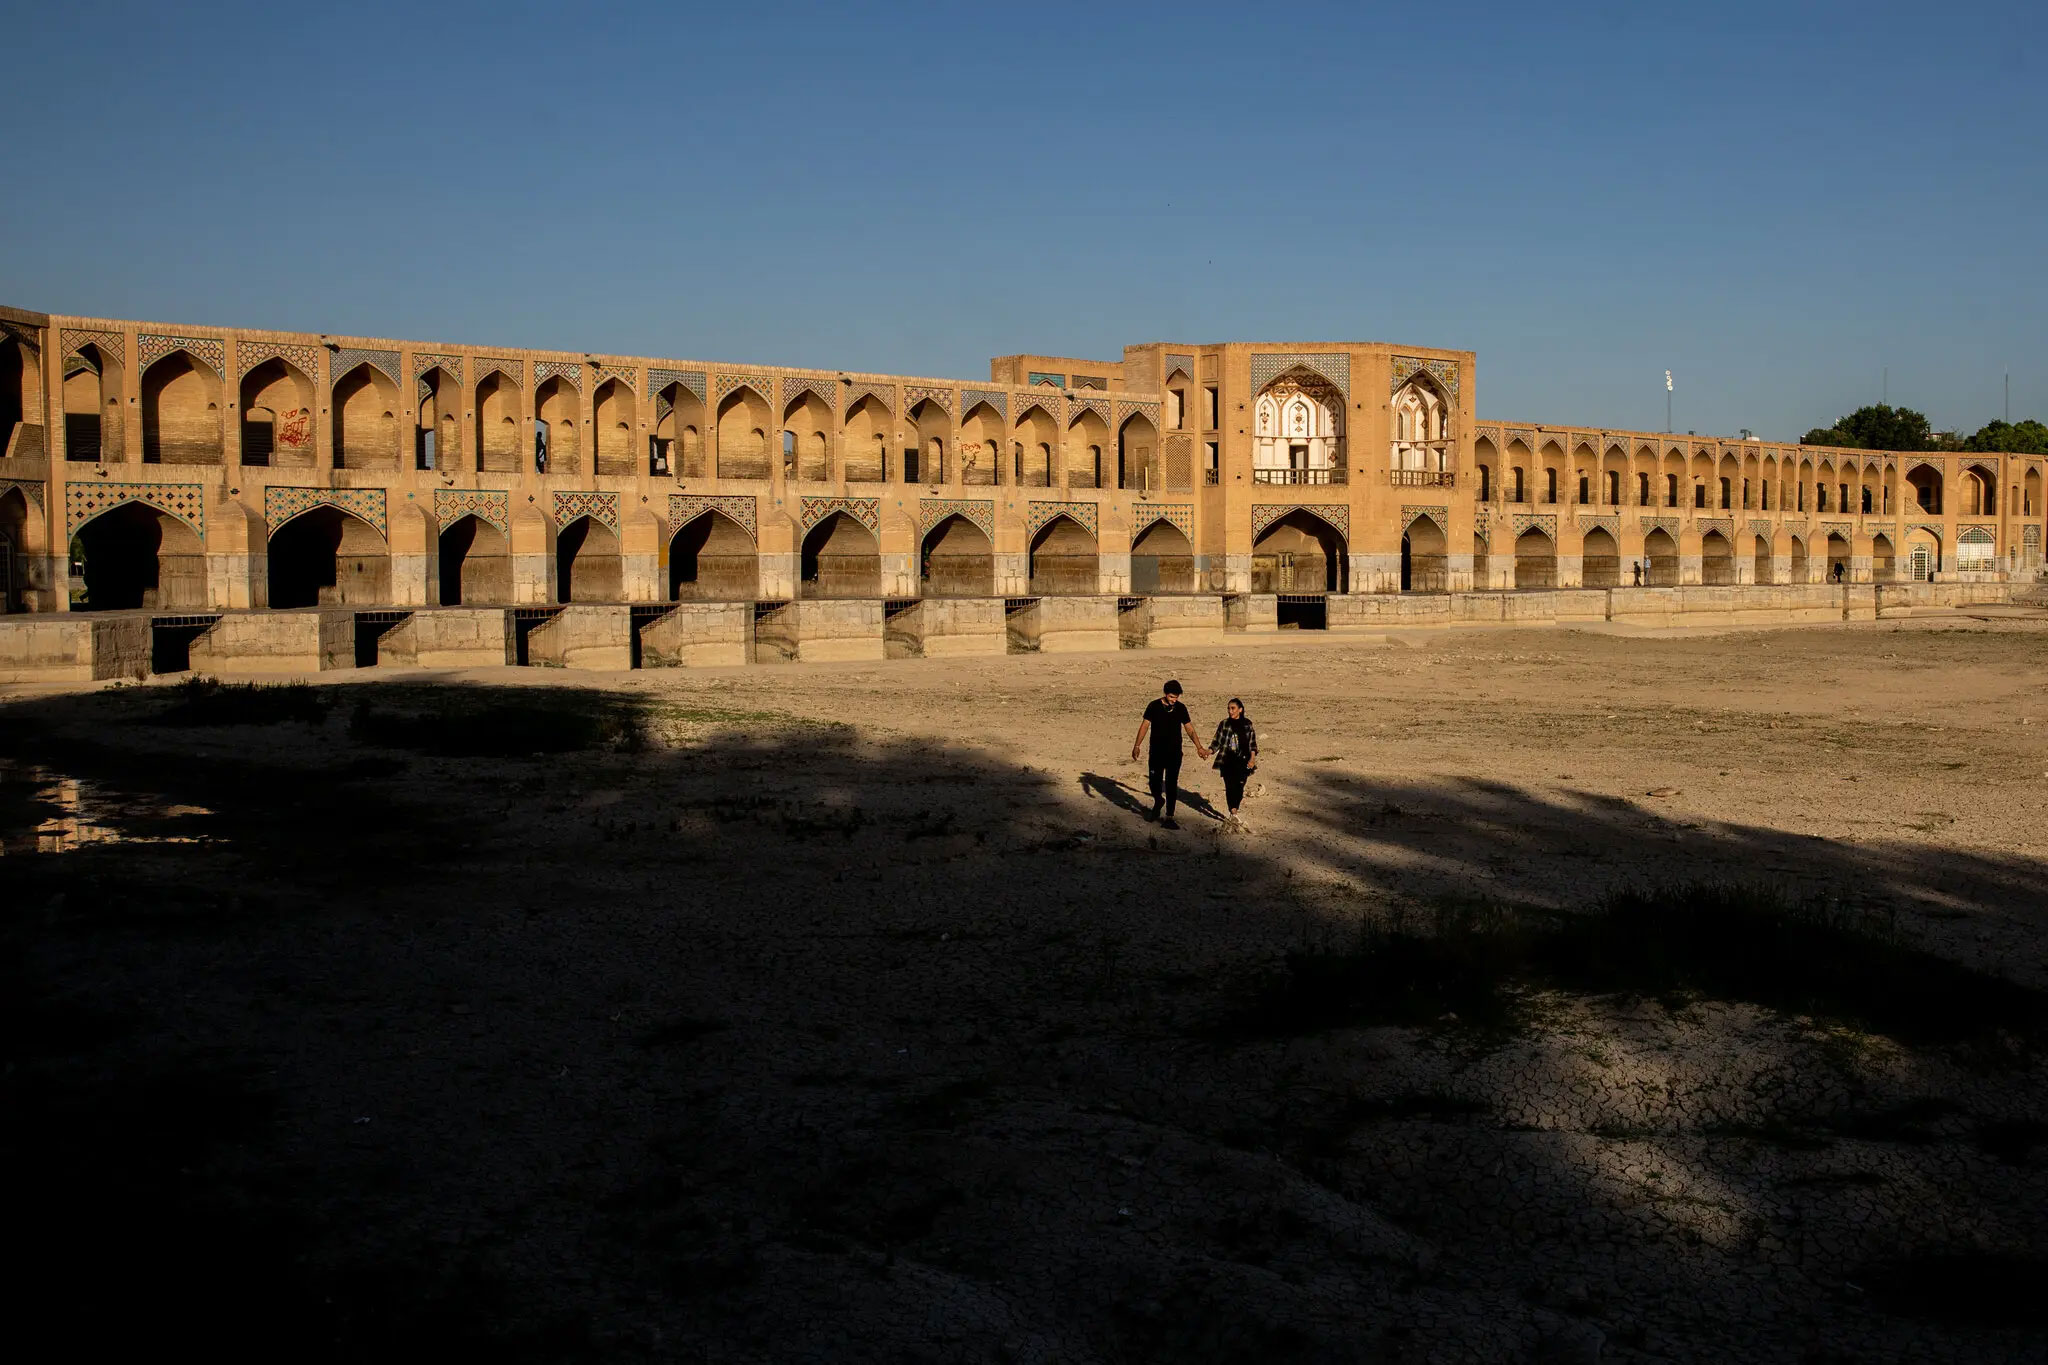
<point x="219" y="468"/>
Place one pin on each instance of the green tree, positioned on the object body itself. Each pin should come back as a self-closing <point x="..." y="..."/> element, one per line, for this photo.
<point x="1877" y="427"/>
<point x="2026" y="437"/>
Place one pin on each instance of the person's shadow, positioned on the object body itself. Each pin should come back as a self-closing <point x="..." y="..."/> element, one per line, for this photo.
<point x="1138" y="802"/>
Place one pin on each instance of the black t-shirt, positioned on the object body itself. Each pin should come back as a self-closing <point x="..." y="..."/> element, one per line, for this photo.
<point x="1166" y="722"/>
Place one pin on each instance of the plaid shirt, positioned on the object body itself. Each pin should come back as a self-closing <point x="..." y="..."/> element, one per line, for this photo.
<point x="1236" y="741"/>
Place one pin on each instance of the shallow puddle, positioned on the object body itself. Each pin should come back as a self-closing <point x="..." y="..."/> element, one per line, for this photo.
<point x="42" y="811"/>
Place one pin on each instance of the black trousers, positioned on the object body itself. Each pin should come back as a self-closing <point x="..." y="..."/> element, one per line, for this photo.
<point x="1234" y="775"/>
<point x="1163" y="772"/>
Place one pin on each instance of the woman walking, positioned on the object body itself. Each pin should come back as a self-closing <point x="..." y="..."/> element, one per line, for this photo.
<point x="1237" y="756"/>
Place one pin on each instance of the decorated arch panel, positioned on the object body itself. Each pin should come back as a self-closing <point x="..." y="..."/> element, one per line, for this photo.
<point x="280" y="505"/>
<point x="185" y="501"/>
<point x="684" y="508"/>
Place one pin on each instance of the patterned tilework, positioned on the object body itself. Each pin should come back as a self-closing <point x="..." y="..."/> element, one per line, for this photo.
<point x="1179" y="515"/>
<point x="1884" y="531"/>
<point x="759" y="383"/>
<point x="1338" y="514"/>
<point x="1184" y="363"/>
<point x="1180" y="463"/>
<point x="1098" y="406"/>
<point x="110" y="343"/>
<point x="421" y="363"/>
<point x="1725" y="525"/>
<point x="207" y="350"/>
<point x="280" y="505"/>
<point x="995" y="398"/>
<point x="1148" y="411"/>
<point x="1930" y="527"/>
<point x="488" y="505"/>
<point x="511" y="369"/>
<point x="1048" y="403"/>
<point x="1057" y="381"/>
<point x="1525" y="435"/>
<point x="1545" y="522"/>
<point x="1611" y="525"/>
<point x="32" y="489"/>
<point x="1554" y="440"/>
<point x="625" y="374"/>
<point x="1616" y="445"/>
<point x="913" y="394"/>
<point x="185" y="501"/>
<point x="885" y="394"/>
<point x="1038" y="514"/>
<point x="684" y="508"/>
<point x="1977" y="535"/>
<point x="795" y="386"/>
<point x="1406" y="367"/>
<point x="866" y="511"/>
<point x="693" y="380"/>
<point x="1491" y="434"/>
<point x="1089" y="381"/>
<point x="1440" y="515"/>
<point x="1335" y="367"/>
<point x="1988" y="466"/>
<point x="600" y="507"/>
<point x="932" y="511"/>
<point x="304" y="359"/>
<point x="346" y="360"/>
<point x="544" y="370"/>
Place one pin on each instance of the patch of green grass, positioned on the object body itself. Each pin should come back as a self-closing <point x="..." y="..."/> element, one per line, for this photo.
<point x="209" y="701"/>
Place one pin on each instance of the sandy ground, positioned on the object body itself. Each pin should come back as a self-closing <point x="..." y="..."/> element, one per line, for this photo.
<point x="854" y="1012"/>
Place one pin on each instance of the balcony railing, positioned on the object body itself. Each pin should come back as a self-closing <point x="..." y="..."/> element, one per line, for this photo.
<point x="1423" y="478"/>
<point x="1297" y="476"/>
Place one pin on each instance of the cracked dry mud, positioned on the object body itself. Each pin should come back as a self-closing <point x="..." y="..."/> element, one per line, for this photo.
<point x="852" y="1014"/>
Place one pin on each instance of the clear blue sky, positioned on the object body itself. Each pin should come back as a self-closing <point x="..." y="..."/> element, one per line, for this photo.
<point x="1775" y="201"/>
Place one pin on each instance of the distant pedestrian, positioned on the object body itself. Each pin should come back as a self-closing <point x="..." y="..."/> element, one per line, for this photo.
<point x="1638" y="565"/>
<point x="1166" y="719"/>
<point x="1237" y="757"/>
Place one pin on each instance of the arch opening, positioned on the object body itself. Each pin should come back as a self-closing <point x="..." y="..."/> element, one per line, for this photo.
<point x="1599" y="559"/>
<point x="180" y="412"/>
<point x="1162" y="561"/>
<point x="588" y="565"/>
<point x="711" y="558"/>
<point x="956" y="559"/>
<point x="1425" y="562"/>
<point x="476" y="564"/>
<point x="328" y="557"/>
<point x="365" y="408"/>
<point x="1717" y="560"/>
<point x="1299" y="553"/>
<point x="137" y="557"/>
<point x="1064" y="560"/>
<point x="1535" y="560"/>
<point x="1662" y="551"/>
<point x="841" y="558"/>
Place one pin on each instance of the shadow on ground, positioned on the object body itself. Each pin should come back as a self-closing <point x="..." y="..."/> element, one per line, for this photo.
<point x="562" y="1024"/>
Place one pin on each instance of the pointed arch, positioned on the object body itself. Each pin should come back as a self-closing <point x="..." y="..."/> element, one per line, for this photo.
<point x="1162" y="559"/>
<point x="588" y="564"/>
<point x="1087" y="439"/>
<point x="1535" y="559"/>
<point x="1599" y="559"/>
<point x="1298" y="429"/>
<point x="134" y="555"/>
<point x="476" y="563"/>
<point x="1660" y="547"/>
<point x="327" y="556"/>
<point x="743" y="422"/>
<point x="933" y="425"/>
<point x="982" y="430"/>
<point x="364" y="406"/>
<point x="864" y="440"/>
<point x="1299" y="551"/>
<point x="615" y="416"/>
<point x="712" y="558"/>
<point x="276" y="400"/>
<point x="840" y="558"/>
<point x="956" y="559"/>
<point x="1137" y="454"/>
<point x="498" y="419"/>
<point x="806" y="431"/>
<point x="1065" y="559"/>
<point x="181" y="411"/>
<point x="92" y="405"/>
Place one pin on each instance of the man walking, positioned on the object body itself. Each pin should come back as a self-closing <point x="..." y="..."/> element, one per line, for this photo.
<point x="1166" y="719"/>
